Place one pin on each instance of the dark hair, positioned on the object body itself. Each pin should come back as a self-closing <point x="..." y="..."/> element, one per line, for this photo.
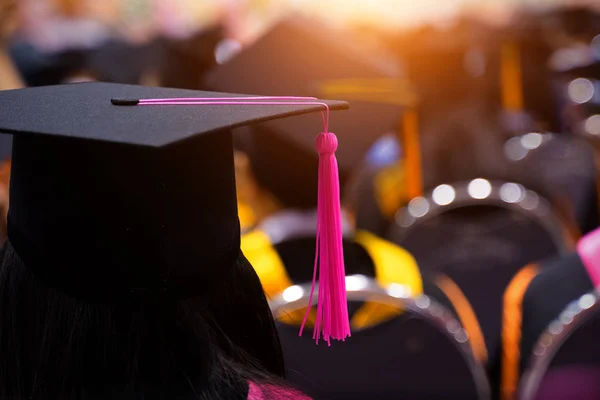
<point x="207" y="347"/>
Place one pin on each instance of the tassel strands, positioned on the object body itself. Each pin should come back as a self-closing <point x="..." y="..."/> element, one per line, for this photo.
<point x="332" y="320"/>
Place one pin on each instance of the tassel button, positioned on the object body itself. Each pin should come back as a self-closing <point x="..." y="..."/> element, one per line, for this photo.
<point x="326" y="143"/>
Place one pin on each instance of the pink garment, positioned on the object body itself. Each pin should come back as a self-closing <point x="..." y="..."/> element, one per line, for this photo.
<point x="588" y="249"/>
<point x="577" y="382"/>
<point x="272" y="392"/>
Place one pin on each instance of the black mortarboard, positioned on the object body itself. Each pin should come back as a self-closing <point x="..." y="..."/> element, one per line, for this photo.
<point x="107" y="198"/>
<point x="134" y="61"/>
<point x="302" y="57"/>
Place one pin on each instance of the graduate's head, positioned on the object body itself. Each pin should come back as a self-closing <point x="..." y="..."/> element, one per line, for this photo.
<point x="210" y="344"/>
<point x="122" y="274"/>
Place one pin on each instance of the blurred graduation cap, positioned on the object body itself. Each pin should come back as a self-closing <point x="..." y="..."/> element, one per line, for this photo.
<point x="555" y="284"/>
<point x="446" y="65"/>
<point x="40" y="69"/>
<point x="134" y="61"/>
<point x="526" y="91"/>
<point x="299" y="56"/>
<point x="108" y="199"/>
<point x="185" y="61"/>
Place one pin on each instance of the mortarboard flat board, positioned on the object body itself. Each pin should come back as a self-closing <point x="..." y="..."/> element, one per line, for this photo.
<point x="303" y="57"/>
<point x="105" y="199"/>
<point x="85" y="111"/>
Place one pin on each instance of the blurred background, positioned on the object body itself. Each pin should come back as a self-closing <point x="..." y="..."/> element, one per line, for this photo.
<point x="482" y="134"/>
<point x="54" y="40"/>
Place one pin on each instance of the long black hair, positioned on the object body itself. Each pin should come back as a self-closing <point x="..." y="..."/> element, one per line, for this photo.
<point x="54" y="346"/>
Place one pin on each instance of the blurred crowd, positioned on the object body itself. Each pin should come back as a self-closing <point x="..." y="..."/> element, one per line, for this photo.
<point x="472" y="140"/>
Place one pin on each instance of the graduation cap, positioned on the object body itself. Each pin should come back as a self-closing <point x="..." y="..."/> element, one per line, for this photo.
<point x="134" y="60"/>
<point x="185" y="61"/>
<point x="110" y="200"/>
<point x="298" y="56"/>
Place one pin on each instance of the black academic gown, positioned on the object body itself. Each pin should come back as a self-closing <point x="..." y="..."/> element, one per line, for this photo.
<point x="535" y="298"/>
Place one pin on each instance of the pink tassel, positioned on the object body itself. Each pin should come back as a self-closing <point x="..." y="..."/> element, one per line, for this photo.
<point x="332" y="308"/>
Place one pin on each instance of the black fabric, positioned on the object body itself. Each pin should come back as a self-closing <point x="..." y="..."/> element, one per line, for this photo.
<point x="145" y="217"/>
<point x="480" y="248"/>
<point x="408" y="357"/>
<point x="84" y="111"/>
<point x="560" y="281"/>
<point x="302" y="56"/>
<point x="298" y="256"/>
<point x="106" y="199"/>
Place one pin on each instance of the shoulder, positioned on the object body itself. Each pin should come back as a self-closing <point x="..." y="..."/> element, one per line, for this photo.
<point x="558" y="282"/>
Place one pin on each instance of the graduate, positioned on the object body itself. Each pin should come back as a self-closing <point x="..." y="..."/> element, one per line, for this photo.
<point x="122" y="276"/>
